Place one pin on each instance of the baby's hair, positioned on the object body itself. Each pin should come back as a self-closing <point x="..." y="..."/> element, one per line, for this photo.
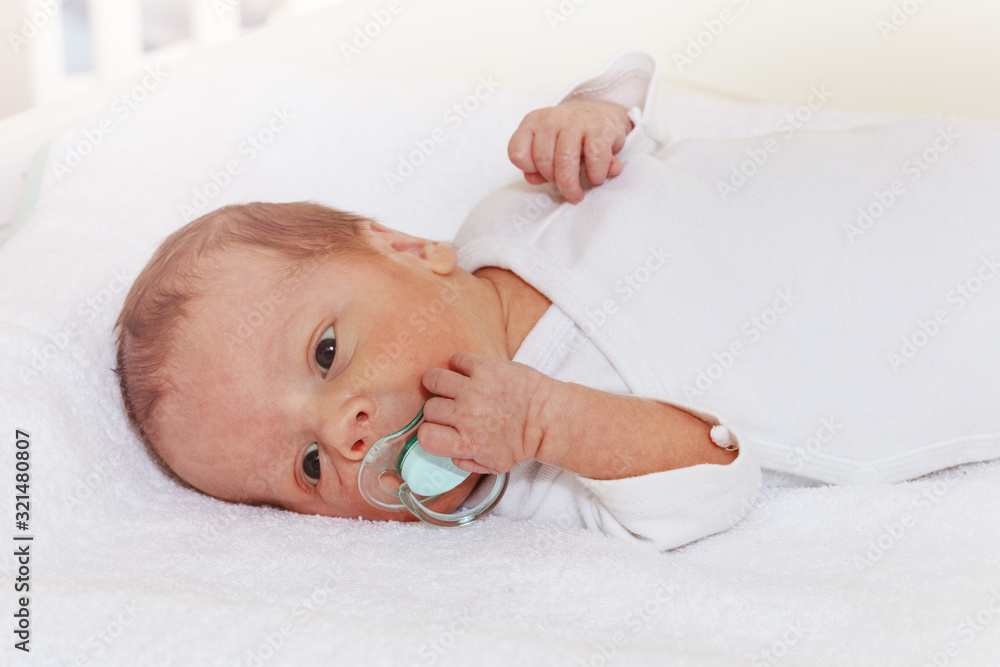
<point x="158" y="301"/>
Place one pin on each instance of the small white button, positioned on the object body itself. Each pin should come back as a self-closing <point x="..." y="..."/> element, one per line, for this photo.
<point x="723" y="438"/>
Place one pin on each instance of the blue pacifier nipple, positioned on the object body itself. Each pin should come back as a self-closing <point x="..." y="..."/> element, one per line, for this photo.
<point x="398" y="474"/>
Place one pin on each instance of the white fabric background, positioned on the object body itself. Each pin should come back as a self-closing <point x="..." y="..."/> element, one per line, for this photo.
<point x="130" y="569"/>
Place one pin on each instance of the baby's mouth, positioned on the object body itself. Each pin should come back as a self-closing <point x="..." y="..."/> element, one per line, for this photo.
<point x="358" y="446"/>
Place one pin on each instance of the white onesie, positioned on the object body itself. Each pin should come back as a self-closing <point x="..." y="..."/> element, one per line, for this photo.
<point x="666" y="509"/>
<point x="836" y="308"/>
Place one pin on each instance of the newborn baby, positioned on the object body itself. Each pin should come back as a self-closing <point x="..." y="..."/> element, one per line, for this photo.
<point x="831" y="303"/>
<point x="283" y="411"/>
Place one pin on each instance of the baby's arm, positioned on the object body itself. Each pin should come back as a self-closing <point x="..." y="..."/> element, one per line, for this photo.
<point x="548" y="144"/>
<point x="491" y="414"/>
<point x="600" y="435"/>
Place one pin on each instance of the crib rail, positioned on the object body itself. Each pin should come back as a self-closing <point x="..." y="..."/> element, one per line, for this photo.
<point x="116" y="37"/>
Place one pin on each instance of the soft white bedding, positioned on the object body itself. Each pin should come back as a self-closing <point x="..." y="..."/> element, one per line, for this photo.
<point x="128" y="568"/>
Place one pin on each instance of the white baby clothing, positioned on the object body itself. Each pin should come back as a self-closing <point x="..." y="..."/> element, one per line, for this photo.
<point x="666" y="509"/>
<point x="829" y="296"/>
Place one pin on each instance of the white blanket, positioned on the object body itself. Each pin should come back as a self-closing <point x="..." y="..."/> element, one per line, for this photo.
<point x="128" y="568"/>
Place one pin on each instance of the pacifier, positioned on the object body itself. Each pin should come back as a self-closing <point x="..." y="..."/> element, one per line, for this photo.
<point x="398" y="474"/>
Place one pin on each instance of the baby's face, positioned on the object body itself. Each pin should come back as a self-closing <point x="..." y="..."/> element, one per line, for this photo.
<point x="280" y="382"/>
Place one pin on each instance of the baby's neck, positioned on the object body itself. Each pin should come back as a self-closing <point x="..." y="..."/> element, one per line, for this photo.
<point x="522" y="304"/>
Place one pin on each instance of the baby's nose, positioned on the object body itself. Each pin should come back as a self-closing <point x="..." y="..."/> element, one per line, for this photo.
<point x="354" y="450"/>
<point x="351" y="435"/>
<point x="362" y="420"/>
<point x="361" y="446"/>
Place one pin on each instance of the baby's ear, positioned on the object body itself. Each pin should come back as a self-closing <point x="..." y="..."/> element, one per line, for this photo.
<point x="388" y="241"/>
<point x="438" y="256"/>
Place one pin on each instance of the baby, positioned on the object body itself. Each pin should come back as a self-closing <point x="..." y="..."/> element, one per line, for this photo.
<point x="283" y="412"/>
<point x="831" y="302"/>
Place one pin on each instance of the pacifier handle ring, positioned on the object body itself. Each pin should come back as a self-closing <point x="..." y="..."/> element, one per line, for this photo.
<point x="426" y="515"/>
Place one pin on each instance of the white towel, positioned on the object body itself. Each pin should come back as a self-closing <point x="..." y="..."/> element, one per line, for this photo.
<point x="129" y="568"/>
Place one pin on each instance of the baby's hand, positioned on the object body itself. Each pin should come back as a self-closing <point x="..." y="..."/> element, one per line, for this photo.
<point x="548" y="143"/>
<point x="486" y="416"/>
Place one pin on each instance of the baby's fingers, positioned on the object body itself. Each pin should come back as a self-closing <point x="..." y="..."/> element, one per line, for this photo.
<point x="543" y="147"/>
<point x="441" y="440"/>
<point x="444" y="440"/>
<point x="444" y="383"/>
<point x="519" y="149"/>
<point x="597" y="154"/>
<point x="567" y="164"/>
<point x="470" y="465"/>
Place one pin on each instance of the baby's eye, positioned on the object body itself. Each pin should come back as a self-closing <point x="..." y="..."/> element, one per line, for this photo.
<point x="310" y="464"/>
<point x="326" y="350"/>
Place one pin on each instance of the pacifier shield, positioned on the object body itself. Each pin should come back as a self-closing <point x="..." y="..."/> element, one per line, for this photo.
<point x="398" y="474"/>
<point x="429" y="475"/>
<point x="378" y="477"/>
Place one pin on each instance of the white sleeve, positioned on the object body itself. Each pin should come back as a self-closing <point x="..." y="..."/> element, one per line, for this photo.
<point x="630" y="80"/>
<point x="672" y="508"/>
